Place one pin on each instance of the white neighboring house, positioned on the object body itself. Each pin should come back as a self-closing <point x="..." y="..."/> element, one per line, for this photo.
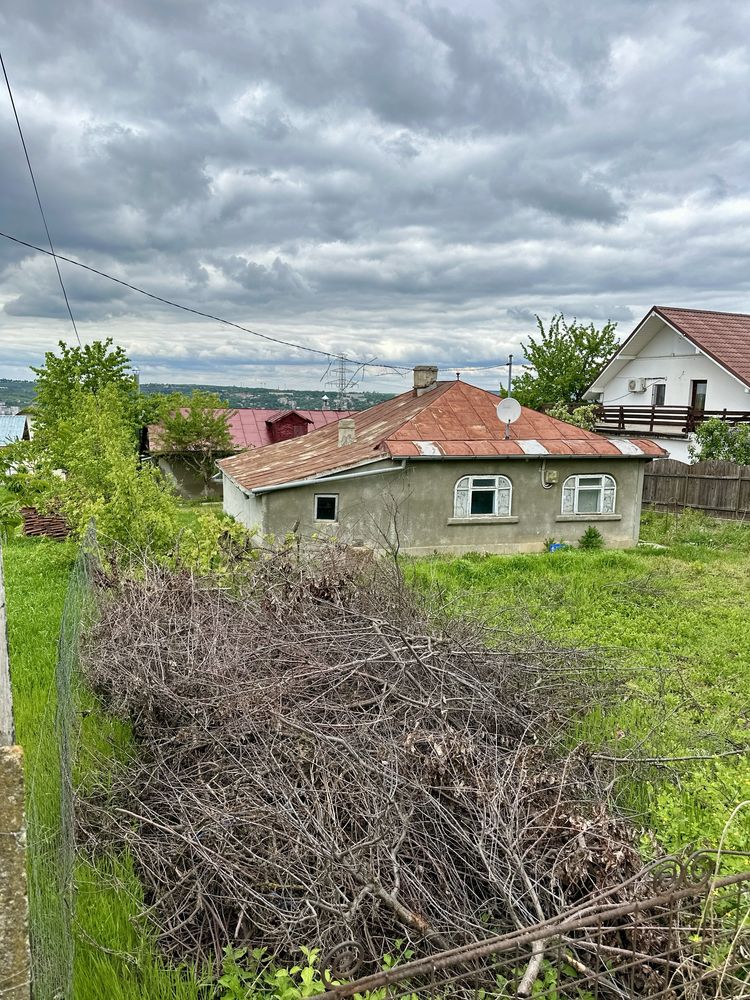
<point x="676" y="369"/>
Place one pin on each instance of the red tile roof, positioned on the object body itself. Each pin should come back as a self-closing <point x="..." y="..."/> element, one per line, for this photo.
<point x="453" y="420"/>
<point x="250" y="427"/>
<point x="725" y="337"/>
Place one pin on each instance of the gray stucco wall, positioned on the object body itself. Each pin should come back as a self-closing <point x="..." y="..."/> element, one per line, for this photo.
<point x="419" y="500"/>
<point x="186" y="480"/>
<point x="248" y="510"/>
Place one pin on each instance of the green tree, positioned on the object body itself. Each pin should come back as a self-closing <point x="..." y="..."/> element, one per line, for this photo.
<point x="566" y="358"/>
<point x="87" y="369"/>
<point x="104" y="479"/>
<point x="717" y="440"/>
<point x="197" y="427"/>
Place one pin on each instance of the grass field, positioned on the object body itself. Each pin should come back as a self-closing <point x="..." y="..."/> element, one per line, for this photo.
<point x="114" y="958"/>
<point x="676" y="615"/>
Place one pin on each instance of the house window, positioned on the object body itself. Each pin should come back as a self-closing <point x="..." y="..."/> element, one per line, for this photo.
<point x="698" y="394"/>
<point x="326" y="506"/>
<point x="482" y="496"/>
<point x="658" y="394"/>
<point x="588" y="495"/>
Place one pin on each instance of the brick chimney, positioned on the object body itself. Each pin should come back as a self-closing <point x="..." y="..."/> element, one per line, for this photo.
<point x="347" y="431"/>
<point x="425" y="378"/>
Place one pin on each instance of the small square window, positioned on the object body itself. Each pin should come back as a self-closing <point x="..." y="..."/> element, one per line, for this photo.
<point x="660" y="392"/>
<point x="326" y="506"/>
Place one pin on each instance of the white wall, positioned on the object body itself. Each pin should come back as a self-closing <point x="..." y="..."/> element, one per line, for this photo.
<point x="248" y="510"/>
<point x="671" y="358"/>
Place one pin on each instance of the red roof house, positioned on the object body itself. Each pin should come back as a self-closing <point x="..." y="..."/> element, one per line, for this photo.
<point x="254" y="428"/>
<point x="677" y="368"/>
<point x="424" y="442"/>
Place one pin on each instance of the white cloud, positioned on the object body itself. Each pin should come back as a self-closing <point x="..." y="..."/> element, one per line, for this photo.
<point x="411" y="181"/>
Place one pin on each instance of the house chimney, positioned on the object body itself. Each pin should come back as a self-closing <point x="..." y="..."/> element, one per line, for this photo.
<point x="425" y="378"/>
<point x="347" y="431"/>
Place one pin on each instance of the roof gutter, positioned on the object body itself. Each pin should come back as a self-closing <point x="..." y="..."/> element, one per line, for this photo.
<point x="317" y="480"/>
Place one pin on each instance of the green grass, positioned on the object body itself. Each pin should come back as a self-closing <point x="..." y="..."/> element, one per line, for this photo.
<point x="683" y="607"/>
<point x="678" y="618"/>
<point x="115" y="956"/>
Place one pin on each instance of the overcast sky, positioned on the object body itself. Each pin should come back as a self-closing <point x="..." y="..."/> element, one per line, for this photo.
<point x="406" y="181"/>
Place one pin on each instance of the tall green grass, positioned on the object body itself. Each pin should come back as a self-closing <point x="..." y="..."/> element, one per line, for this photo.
<point x="677" y="617"/>
<point x="115" y="955"/>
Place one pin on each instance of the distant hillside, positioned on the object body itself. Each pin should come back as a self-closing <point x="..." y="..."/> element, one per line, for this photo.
<point x="14" y="392"/>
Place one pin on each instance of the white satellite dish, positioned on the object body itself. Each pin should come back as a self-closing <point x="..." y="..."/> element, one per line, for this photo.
<point x="508" y="410"/>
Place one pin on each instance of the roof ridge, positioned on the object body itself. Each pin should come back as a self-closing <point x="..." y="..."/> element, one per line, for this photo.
<point x="705" y="312"/>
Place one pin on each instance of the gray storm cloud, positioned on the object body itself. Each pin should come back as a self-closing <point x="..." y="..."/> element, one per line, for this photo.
<point x="406" y="181"/>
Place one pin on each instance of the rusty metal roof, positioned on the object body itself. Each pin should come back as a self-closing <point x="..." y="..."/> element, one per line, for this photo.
<point x="452" y="420"/>
<point x="725" y="337"/>
<point x="250" y="427"/>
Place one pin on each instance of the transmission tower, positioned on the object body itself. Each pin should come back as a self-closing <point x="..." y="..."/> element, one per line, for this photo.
<point x="343" y="377"/>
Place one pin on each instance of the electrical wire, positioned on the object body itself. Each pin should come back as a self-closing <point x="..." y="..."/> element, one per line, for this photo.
<point x="38" y="198"/>
<point x="200" y="312"/>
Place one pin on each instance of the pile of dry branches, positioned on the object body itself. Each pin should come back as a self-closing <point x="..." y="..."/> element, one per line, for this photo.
<point x="321" y="755"/>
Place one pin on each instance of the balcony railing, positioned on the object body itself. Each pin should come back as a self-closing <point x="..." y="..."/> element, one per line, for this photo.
<point x="682" y="419"/>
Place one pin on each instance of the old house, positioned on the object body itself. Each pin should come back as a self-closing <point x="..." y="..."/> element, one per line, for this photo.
<point x="676" y="369"/>
<point x="249" y="428"/>
<point x="434" y="470"/>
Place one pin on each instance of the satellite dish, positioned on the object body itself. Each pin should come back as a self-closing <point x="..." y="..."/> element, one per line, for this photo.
<point x="508" y="410"/>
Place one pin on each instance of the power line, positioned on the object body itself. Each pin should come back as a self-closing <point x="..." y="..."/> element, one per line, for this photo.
<point x="238" y="326"/>
<point x="197" y="312"/>
<point x="38" y="198"/>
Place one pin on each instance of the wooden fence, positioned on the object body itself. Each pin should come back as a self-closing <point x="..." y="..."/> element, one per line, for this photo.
<point x="720" y="489"/>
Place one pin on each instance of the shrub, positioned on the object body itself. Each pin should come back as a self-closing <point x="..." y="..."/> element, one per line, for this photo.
<point x="591" y="539"/>
<point x="10" y="517"/>
<point x="719" y="441"/>
<point x="581" y="416"/>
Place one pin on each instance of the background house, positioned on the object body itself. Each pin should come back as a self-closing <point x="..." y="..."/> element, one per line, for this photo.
<point x="677" y="368"/>
<point x="13" y="427"/>
<point x="432" y="470"/>
<point x="249" y="428"/>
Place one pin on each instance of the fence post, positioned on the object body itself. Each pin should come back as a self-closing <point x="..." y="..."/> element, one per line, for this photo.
<point x="738" y="494"/>
<point x="15" y="958"/>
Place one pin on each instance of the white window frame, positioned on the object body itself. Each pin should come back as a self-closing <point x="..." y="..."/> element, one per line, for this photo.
<point x="608" y="483"/>
<point x="326" y="520"/>
<point x="501" y="484"/>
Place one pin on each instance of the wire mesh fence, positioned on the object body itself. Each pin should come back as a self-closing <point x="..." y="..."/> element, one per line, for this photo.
<point x="51" y="827"/>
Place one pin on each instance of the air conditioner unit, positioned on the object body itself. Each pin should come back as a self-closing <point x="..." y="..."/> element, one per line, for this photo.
<point x="637" y="385"/>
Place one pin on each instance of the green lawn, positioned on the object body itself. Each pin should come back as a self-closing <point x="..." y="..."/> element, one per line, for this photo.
<point x="678" y="616"/>
<point x="114" y="958"/>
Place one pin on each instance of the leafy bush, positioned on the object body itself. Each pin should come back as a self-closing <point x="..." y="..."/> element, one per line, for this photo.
<point x="10" y="517"/>
<point x="212" y="543"/>
<point x="591" y="539"/>
<point x="716" y="440"/>
<point x="581" y="416"/>
<point x="255" y="974"/>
